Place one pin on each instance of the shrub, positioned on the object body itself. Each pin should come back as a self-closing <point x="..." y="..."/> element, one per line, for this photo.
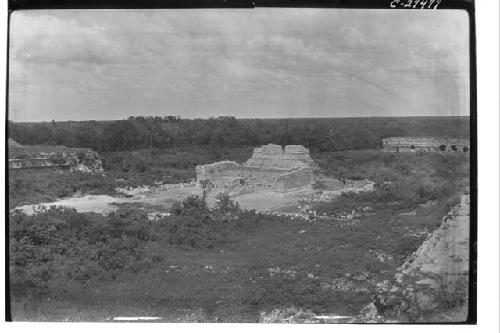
<point x="59" y="244"/>
<point x="194" y="225"/>
<point x="140" y="166"/>
<point x="225" y="205"/>
<point x="194" y="202"/>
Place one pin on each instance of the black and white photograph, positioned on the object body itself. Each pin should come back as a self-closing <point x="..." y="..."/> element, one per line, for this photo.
<point x="242" y="165"/>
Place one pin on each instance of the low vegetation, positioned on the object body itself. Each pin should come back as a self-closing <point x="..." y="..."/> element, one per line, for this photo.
<point x="221" y="264"/>
<point x="174" y="165"/>
<point x="122" y="169"/>
<point x="32" y="186"/>
<point x="218" y="263"/>
<point x="58" y="246"/>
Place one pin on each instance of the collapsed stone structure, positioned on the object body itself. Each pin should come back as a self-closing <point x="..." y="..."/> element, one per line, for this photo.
<point x="434" y="277"/>
<point x="270" y="167"/>
<point x="75" y="159"/>
<point x="425" y="144"/>
<point x="445" y="253"/>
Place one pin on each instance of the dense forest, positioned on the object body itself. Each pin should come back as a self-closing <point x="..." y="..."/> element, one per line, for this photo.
<point x="318" y="134"/>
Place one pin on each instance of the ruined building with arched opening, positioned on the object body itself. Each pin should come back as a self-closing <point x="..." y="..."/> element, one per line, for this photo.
<point x="425" y="144"/>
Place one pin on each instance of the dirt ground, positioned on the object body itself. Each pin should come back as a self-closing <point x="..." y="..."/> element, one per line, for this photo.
<point x="262" y="201"/>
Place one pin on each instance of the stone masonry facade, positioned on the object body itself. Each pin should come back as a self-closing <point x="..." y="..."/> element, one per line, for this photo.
<point x="271" y="167"/>
<point x="425" y="144"/>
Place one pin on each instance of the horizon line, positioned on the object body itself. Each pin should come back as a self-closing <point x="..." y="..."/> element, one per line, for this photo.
<point x="229" y="116"/>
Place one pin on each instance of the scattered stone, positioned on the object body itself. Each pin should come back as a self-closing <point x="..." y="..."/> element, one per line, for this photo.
<point x="277" y="271"/>
<point x="81" y="168"/>
<point x="412" y="213"/>
<point x="382" y="286"/>
<point x="293" y="315"/>
<point x="426" y="301"/>
<point x="371" y="310"/>
<point x="359" y="277"/>
<point x="155" y="216"/>
<point x="427" y="282"/>
<point x="340" y="283"/>
<point x="395" y="289"/>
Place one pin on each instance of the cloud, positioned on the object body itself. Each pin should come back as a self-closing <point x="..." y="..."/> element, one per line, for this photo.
<point x="353" y="36"/>
<point x="60" y="37"/>
<point x="265" y="61"/>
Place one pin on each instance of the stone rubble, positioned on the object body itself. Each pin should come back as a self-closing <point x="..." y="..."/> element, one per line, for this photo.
<point x="293" y="315"/>
<point x="382" y="257"/>
<point x="159" y="186"/>
<point x="278" y="271"/>
<point x="436" y="272"/>
<point x="72" y="159"/>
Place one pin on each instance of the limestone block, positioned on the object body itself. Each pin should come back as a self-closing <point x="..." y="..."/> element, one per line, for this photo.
<point x="269" y="149"/>
<point x="296" y="149"/>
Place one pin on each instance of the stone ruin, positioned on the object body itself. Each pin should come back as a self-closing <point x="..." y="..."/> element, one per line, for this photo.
<point x="436" y="274"/>
<point x="271" y="167"/>
<point x="425" y="144"/>
<point x="32" y="157"/>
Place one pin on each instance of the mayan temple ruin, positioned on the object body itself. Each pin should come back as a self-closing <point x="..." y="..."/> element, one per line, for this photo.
<point x="270" y="167"/>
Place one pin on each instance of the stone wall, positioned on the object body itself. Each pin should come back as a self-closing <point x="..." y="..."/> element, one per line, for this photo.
<point x="425" y="144"/>
<point x="86" y="162"/>
<point x="446" y="252"/>
<point x="435" y="278"/>
<point x="296" y="179"/>
<point x="273" y="156"/>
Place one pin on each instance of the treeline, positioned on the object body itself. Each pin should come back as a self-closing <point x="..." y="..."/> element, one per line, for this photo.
<point x="318" y="134"/>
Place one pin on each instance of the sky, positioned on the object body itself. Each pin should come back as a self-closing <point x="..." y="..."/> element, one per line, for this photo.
<point x="246" y="63"/>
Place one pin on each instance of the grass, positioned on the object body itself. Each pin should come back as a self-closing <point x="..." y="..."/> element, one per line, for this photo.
<point x="237" y="286"/>
<point x="144" y="167"/>
<point x="226" y="278"/>
<point x="123" y="169"/>
<point x="381" y="167"/>
<point x="31" y="186"/>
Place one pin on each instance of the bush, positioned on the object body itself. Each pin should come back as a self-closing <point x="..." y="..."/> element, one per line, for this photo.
<point x="194" y="202"/>
<point x="225" y="205"/>
<point x="59" y="244"/>
<point x="194" y="225"/>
